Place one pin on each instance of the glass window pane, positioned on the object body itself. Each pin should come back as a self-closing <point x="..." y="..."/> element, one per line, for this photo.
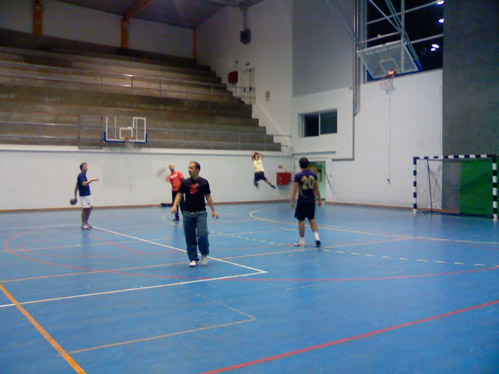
<point x="310" y="125"/>
<point x="329" y="122"/>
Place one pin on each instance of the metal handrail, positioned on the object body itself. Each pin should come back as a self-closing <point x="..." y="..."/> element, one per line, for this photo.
<point x="148" y="128"/>
<point x="161" y="82"/>
<point x="103" y="85"/>
<point x="182" y="139"/>
<point x="109" y="74"/>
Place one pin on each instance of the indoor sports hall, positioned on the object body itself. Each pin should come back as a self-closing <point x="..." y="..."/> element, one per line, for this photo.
<point x="111" y="111"/>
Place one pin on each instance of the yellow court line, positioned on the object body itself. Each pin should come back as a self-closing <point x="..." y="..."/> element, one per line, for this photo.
<point x="44" y="332"/>
<point x="250" y="319"/>
<point x="161" y="336"/>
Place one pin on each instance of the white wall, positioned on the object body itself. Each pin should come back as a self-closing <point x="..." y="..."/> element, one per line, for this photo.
<point x="76" y="23"/>
<point x="340" y="144"/>
<point x="68" y="21"/>
<point x="389" y="131"/>
<point x="44" y="177"/>
<point x="322" y="45"/>
<point x="270" y="53"/>
<point x="16" y="15"/>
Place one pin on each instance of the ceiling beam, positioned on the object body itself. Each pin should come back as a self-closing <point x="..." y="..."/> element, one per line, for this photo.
<point x="136" y="8"/>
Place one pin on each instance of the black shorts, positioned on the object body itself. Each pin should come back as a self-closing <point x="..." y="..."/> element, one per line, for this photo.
<point x="260" y="176"/>
<point x="305" y="210"/>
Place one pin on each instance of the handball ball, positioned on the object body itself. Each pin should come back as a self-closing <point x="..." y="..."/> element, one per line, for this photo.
<point x="72" y="201"/>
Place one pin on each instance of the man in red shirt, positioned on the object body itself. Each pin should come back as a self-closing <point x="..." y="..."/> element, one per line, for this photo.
<point x="175" y="179"/>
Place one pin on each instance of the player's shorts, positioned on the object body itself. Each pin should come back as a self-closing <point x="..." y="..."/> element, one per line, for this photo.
<point x="259" y="176"/>
<point x="86" y="201"/>
<point x="305" y="210"/>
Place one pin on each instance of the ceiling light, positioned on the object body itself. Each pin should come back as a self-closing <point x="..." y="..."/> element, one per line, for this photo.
<point x="433" y="49"/>
<point x="440" y="2"/>
<point x="436" y="46"/>
<point x="441" y="20"/>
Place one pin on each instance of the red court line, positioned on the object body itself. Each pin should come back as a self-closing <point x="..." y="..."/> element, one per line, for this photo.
<point x="117" y="245"/>
<point x="356" y="337"/>
<point x="366" y="278"/>
<point x="85" y="269"/>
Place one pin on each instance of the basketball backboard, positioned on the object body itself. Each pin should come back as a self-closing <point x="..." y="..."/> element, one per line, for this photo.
<point x="381" y="59"/>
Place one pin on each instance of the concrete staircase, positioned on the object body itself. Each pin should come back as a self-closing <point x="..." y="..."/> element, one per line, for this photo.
<point x="59" y="95"/>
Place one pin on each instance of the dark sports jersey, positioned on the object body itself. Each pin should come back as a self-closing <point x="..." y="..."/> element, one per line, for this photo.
<point x="306" y="180"/>
<point x="83" y="190"/>
<point x="194" y="192"/>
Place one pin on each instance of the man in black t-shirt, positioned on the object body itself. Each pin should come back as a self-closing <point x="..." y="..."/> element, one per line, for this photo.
<point x="195" y="190"/>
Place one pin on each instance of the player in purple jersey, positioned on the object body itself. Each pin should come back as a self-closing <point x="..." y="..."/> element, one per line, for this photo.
<point x="305" y="182"/>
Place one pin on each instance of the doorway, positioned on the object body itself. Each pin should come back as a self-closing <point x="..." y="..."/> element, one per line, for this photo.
<point x="319" y="168"/>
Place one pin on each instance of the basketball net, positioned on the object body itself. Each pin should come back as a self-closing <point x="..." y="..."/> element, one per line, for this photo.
<point x="129" y="140"/>
<point x="386" y="83"/>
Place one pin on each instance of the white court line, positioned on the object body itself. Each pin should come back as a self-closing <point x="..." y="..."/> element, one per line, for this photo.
<point x="373" y="233"/>
<point x="177" y="249"/>
<point x="257" y="272"/>
<point x="129" y="289"/>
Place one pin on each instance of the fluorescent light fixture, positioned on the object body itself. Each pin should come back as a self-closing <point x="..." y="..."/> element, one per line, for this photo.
<point x="436" y="46"/>
<point x="441" y="20"/>
<point x="433" y="49"/>
<point x="440" y="2"/>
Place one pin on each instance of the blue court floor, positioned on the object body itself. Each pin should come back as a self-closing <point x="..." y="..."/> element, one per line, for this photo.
<point x="388" y="292"/>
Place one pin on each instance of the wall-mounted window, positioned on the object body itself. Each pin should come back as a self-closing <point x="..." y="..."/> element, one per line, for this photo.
<point x="315" y="124"/>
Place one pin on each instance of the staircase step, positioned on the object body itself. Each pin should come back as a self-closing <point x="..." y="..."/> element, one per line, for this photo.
<point x="61" y="96"/>
<point x="18" y="111"/>
<point x="28" y="41"/>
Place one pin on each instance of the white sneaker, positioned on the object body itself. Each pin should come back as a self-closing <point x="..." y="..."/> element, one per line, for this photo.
<point x="85" y="227"/>
<point x="204" y="260"/>
<point x="299" y="244"/>
<point x="193" y="264"/>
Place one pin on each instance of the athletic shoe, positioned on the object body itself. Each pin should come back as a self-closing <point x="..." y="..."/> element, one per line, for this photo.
<point x="176" y="219"/>
<point x="85" y="227"/>
<point x="318" y="243"/>
<point x="299" y="244"/>
<point x="193" y="264"/>
<point x="272" y="186"/>
<point x="256" y="184"/>
<point x="204" y="260"/>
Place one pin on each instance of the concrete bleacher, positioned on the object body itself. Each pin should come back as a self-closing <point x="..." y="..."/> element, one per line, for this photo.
<point x="56" y="93"/>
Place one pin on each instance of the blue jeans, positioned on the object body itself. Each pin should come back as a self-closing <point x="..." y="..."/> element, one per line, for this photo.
<point x="181" y="205"/>
<point x="196" y="234"/>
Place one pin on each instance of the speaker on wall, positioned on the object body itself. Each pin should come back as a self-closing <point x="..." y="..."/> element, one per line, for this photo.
<point x="246" y="36"/>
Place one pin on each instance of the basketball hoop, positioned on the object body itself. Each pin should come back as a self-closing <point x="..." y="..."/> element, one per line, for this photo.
<point x="386" y="83"/>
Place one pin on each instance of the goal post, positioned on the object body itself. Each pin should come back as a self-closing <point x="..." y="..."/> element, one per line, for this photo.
<point x="457" y="184"/>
